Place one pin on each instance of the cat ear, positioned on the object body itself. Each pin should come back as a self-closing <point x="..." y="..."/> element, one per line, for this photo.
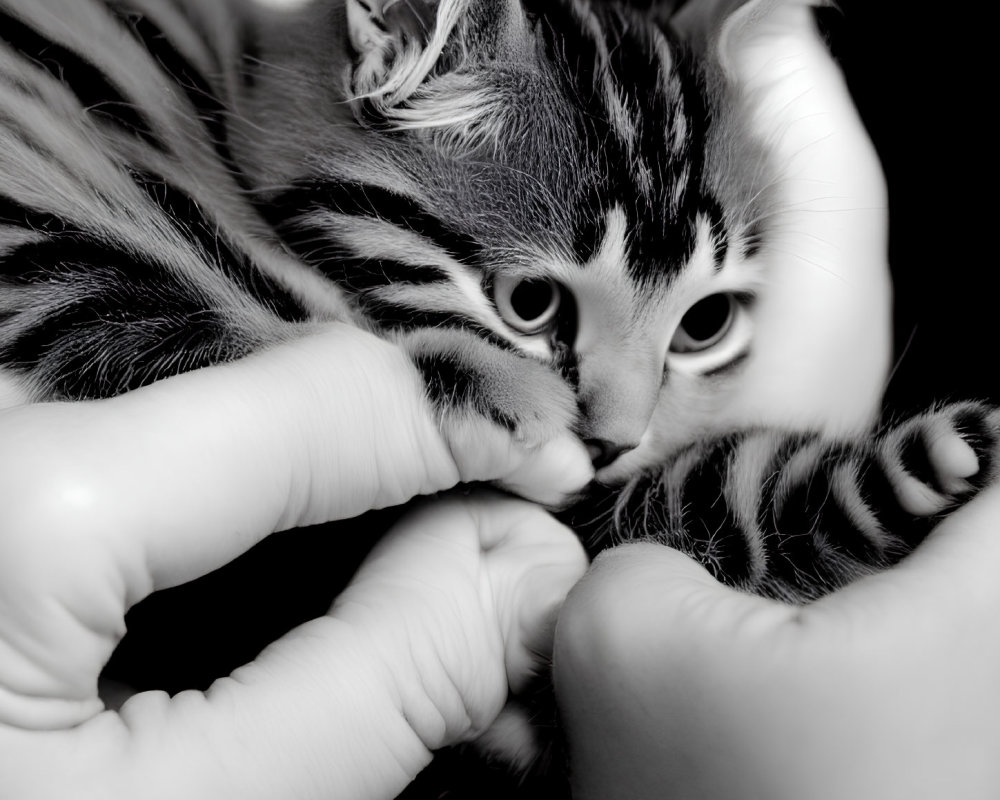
<point x="382" y="32"/>
<point x="396" y="44"/>
<point x="418" y="63"/>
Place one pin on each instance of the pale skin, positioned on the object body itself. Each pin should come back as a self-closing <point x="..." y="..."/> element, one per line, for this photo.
<point x="105" y="502"/>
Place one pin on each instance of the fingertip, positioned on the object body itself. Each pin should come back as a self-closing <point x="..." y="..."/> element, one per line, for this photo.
<point x="544" y="594"/>
<point x="540" y="597"/>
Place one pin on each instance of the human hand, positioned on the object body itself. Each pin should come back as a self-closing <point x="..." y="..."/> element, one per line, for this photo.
<point x="672" y="685"/>
<point x="105" y="502"/>
<point x="453" y="605"/>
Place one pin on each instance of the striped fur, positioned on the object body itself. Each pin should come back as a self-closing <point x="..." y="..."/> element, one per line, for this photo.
<point x="133" y="193"/>
<point x="794" y="516"/>
<point x="114" y="274"/>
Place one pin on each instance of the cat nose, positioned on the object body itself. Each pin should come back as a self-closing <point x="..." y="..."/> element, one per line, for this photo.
<point x="603" y="452"/>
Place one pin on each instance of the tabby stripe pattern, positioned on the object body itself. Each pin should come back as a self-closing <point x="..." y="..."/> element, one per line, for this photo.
<point x="643" y="113"/>
<point x="111" y="276"/>
<point x="95" y="91"/>
<point x="791" y="516"/>
<point x="360" y="200"/>
<point x="402" y="265"/>
<point x="209" y="110"/>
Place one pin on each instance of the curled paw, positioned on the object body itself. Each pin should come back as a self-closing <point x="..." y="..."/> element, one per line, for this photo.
<point x="506" y="418"/>
<point x="942" y="456"/>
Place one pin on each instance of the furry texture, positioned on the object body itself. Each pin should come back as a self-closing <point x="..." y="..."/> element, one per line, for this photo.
<point x="572" y="215"/>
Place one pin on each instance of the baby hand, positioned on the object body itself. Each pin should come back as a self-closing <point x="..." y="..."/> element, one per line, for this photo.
<point x="460" y="602"/>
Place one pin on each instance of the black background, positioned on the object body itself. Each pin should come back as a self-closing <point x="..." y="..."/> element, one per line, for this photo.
<point x="919" y="75"/>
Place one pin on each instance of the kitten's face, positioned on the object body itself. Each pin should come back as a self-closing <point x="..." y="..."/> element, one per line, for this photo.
<point x="568" y="194"/>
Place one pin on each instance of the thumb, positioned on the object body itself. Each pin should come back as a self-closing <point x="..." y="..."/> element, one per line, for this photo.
<point x="668" y="680"/>
<point x="635" y="588"/>
<point x="650" y="652"/>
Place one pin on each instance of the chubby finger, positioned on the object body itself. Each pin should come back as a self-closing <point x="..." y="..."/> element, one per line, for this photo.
<point x="552" y="474"/>
<point x="533" y="561"/>
<point x="642" y="642"/>
<point x="197" y="468"/>
<point x="314" y="716"/>
<point x="106" y="501"/>
<point x="346" y="706"/>
<point x="103" y="502"/>
<point x="351" y="705"/>
<point x="472" y="585"/>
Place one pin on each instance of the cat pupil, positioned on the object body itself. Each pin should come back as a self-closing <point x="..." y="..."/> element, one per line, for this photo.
<point x="532" y="298"/>
<point x="707" y="320"/>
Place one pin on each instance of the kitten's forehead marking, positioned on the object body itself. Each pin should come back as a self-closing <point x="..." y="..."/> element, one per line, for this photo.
<point x="612" y="253"/>
<point x="642" y="152"/>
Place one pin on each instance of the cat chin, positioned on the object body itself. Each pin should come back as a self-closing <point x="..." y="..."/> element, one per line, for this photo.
<point x="625" y="467"/>
<point x="658" y="444"/>
<point x="639" y="461"/>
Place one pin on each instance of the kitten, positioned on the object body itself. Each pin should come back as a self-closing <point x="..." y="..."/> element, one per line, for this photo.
<point x="579" y="221"/>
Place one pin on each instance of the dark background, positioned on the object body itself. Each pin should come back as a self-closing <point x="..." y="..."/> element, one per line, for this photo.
<point x="919" y="76"/>
<point x="923" y="79"/>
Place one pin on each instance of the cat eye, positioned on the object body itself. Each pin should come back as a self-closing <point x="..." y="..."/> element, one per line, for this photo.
<point x="528" y="305"/>
<point x="705" y="324"/>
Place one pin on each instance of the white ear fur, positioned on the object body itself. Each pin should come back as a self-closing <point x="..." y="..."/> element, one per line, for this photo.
<point x="366" y="28"/>
<point x="397" y="42"/>
<point x="372" y="38"/>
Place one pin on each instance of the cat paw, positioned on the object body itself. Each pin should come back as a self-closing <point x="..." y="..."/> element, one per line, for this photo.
<point x="942" y="456"/>
<point x="506" y="418"/>
<point x="552" y="473"/>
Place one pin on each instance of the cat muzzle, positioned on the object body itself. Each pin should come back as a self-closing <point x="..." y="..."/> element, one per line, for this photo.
<point x="603" y="452"/>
